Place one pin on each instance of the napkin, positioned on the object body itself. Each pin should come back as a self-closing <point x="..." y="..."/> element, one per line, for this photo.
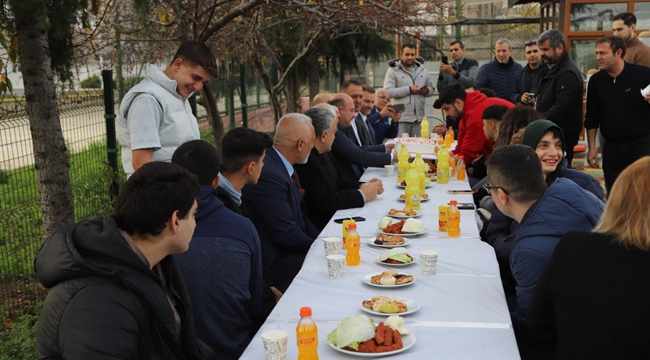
<point x="645" y="91"/>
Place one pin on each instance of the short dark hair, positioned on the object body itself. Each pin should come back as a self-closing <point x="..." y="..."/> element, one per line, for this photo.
<point x="368" y="89"/>
<point x="494" y="112"/>
<point x="462" y="46"/>
<point x="488" y="92"/>
<point x="628" y="18"/>
<point x="514" y="120"/>
<point x="200" y="158"/>
<point x="450" y="93"/>
<point x="346" y="84"/>
<point x="409" y="45"/>
<point x="241" y="146"/>
<point x="196" y="53"/>
<point x="518" y="171"/>
<point x="615" y="43"/>
<point x="152" y="194"/>
<point x="321" y="119"/>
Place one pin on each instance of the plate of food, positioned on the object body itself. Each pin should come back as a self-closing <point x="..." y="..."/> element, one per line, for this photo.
<point x="423" y="197"/>
<point x="389" y="305"/>
<point x="389" y="279"/>
<point x="408" y="227"/>
<point x="389" y="241"/>
<point x="397" y="256"/>
<point x="427" y="183"/>
<point x="405" y="213"/>
<point x="358" y="336"/>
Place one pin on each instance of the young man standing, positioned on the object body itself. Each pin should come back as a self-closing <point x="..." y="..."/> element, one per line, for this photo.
<point x="528" y="78"/>
<point x="115" y="291"/>
<point x="155" y="116"/>
<point x="624" y="26"/>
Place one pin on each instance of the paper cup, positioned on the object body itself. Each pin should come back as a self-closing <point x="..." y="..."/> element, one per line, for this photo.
<point x="405" y="135"/>
<point x="275" y="344"/>
<point x="332" y="245"/>
<point x="429" y="261"/>
<point x="335" y="265"/>
<point x="390" y="170"/>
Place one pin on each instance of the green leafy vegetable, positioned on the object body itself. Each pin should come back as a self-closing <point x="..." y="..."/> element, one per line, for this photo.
<point x="352" y="331"/>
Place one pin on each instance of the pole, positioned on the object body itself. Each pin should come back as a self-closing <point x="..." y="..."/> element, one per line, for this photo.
<point x="242" y="95"/>
<point x="459" y="4"/>
<point x="111" y="137"/>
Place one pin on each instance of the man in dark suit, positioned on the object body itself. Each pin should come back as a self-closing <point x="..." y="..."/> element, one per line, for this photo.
<point x="357" y="130"/>
<point x="276" y="204"/>
<point x="380" y="115"/>
<point x="350" y="158"/>
<point x="324" y="194"/>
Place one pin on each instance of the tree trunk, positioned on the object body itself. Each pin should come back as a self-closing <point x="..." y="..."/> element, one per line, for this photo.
<point x="314" y="75"/>
<point x="50" y="153"/>
<point x="293" y="95"/>
<point x="214" y="118"/>
<point x="273" y="96"/>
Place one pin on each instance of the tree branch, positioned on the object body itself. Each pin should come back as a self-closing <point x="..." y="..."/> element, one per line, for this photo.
<point x="235" y="12"/>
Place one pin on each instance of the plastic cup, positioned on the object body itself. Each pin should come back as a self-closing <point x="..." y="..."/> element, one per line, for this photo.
<point x="429" y="261"/>
<point x="335" y="265"/>
<point x="275" y="344"/>
<point x="332" y="245"/>
<point x="390" y="170"/>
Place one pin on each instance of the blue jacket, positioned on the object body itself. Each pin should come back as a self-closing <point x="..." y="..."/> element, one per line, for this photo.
<point x="352" y="159"/>
<point x="527" y="80"/>
<point x="383" y="126"/>
<point x="564" y="207"/>
<point x="278" y="212"/>
<point x="223" y="273"/>
<point x="498" y="77"/>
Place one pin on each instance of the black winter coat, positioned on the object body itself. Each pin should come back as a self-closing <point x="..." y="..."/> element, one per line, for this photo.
<point x="105" y="303"/>
<point x="559" y="96"/>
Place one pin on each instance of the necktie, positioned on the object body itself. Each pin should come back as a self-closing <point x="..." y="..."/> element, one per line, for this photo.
<point x="371" y="131"/>
<point x="363" y="131"/>
<point x="294" y="179"/>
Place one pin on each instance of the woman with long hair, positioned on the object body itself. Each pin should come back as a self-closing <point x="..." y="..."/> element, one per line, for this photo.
<point x="591" y="301"/>
<point x="513" y="122"/>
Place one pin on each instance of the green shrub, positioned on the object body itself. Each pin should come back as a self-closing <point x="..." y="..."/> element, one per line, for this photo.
<point x="18" y="340"/>
<point x="93" y="82"/>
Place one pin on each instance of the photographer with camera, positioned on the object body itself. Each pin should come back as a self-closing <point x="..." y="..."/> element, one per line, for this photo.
<point x="461" y="71"/>
<point x="527" y="79"/>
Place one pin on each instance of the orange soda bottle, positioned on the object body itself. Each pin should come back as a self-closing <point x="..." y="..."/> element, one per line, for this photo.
<point x="461" y="168"/>
<point x="452" y="167"/>
<point x="449" y="139"/>
<point x="307" y="336"/>
<point x="353" y="245"/>
<point x="451" y="132"/>
<point x="453" y="224"/>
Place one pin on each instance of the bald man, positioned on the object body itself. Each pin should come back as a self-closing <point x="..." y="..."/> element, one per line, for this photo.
<point x="321" y="99"/>
<point x="351" y="159"/>
<point x="275" y="204"/>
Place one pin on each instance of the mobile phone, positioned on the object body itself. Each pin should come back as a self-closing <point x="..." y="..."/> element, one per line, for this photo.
<point x="356" y="218"/>
<point x="530" y="96"/>
<point x="464" y="206"/>
<point x="398" y="107"/>
<point x="444" y="59"/>
<point x="457" y="192"/>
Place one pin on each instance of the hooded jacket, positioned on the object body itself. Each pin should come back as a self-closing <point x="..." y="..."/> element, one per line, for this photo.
<point x="498" y="77"/>
<point x="398" y="82"/>
<point x="223" y="272"/>
<point x="563" y="207"/>
<point x="105" y="302"/>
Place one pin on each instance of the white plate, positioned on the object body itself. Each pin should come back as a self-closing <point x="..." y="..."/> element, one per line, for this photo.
<point x="417" y="213"/>
<point x="411" y="305"/>
<point x="398" y="265"/>
<point x="407" y="340"/>
<point x="366" y="279"/>
<point x="421" y="200"/>
<point x="404" y="235"/>
<point x="371" y="241"/>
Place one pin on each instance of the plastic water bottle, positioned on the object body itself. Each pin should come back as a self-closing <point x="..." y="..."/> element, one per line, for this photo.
<point x="420" y="166"/>
<point x="460" y="168"/>
<point x="453" y="222"/>
<point x="403" y="163"/>
<point x="424" y="132"/>
<point x="443" y="166"/>
<point x="412" y="192"/>
<point x="353" y="245"/>
<point x="307" y="336"/>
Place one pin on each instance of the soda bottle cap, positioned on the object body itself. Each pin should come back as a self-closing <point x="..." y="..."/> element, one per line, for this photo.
<point x="352" y="226"/>
<point x="411" y="165"/>
<point x="461" y="157"/>
<point x="403" y="145"/>
<point x="453" y="202"/>
<point x="305" y="311"/>
<point x="418" y="154"/>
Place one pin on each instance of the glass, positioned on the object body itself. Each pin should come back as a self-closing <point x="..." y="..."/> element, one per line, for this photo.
<point x="594" y="17"/>
<point x="489" y="188"/>
<point x="583" y="52"/>
<point x="642" y="12"/>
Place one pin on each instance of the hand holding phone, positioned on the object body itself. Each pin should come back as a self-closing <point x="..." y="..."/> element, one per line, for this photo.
<point x="444" y="59"/>
<point x="398" y="107"/>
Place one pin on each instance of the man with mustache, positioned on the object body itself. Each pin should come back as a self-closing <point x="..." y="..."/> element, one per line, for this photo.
<point x="528" y="78"/>
<point x="155" y="116"/>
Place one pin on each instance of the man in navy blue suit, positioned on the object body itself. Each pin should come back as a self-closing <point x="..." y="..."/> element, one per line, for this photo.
<point x="350" y="158"/>
<point x="275" y="204"/>
<point x="379" y="114"/>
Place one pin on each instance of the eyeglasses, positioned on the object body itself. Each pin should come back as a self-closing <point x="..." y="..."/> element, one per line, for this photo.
<point x="489" y="188"/>
<point x="530" y="42"/>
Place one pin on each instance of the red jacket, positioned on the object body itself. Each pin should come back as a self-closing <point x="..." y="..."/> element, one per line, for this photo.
<point x="471" y="138"/>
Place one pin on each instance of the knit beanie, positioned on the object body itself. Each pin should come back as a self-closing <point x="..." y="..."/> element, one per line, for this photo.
<point x="536" y="130"/>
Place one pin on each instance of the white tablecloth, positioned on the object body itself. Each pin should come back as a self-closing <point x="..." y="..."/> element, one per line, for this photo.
<point x="463" y="311"/>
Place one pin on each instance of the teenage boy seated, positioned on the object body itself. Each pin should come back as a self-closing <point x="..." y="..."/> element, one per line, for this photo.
<point x="223" y="267"/>
<point x="115" y="291"/>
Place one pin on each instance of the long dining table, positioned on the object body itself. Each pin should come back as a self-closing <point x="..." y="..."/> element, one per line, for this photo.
<point x="463" y="312"/>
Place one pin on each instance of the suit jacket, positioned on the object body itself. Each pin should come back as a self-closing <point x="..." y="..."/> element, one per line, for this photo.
<point x="278" y="212"/>
<point x="352" y="159"/>
<point x="324" y="194"/>
<point x="382" y="126"/>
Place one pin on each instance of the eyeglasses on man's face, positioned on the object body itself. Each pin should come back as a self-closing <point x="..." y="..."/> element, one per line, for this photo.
<point x="488" y="188"/>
